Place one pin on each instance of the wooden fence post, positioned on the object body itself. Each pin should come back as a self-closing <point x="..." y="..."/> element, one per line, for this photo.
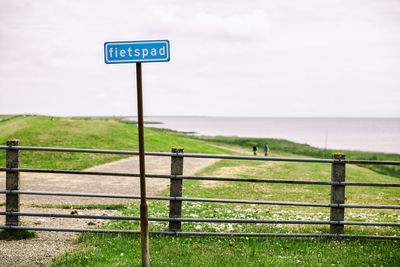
<point x="12" y="183"/>
<point x="338" y="192"/>
<point x="175" y="206"/>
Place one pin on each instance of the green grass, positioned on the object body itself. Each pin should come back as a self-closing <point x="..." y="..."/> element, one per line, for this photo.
<point x="286" y="147"/>
<point x="101" y="133"/>
<point x="124" y="249"/>
<point x="108" y="249"/>
<point x="4" y="118"/>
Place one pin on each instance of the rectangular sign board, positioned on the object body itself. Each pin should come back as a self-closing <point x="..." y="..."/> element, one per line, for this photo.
<point x="136" y="51"/>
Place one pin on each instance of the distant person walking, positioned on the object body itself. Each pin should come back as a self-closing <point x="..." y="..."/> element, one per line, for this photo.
<point x="255" y="150"/>
<point x="266" y="149"/>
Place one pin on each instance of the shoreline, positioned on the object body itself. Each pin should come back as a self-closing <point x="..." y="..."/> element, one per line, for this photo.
<point x="378" y="135"/>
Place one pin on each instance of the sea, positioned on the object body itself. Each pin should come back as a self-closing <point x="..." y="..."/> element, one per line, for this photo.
<point x="365" y="134"/>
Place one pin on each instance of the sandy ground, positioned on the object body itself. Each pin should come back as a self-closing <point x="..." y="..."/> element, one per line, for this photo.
<point x="41" y="250"/>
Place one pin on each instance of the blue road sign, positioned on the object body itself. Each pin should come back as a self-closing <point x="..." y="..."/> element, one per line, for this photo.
<point x="136" y="51"/>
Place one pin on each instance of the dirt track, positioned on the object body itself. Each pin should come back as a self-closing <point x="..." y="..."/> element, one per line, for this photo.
<point x="102" y="184"/>
<point x="40" y="251"/>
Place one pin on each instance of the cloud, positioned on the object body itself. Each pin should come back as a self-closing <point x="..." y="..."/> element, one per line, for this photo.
<point x="244" y="26"/>
<point x="228" y="57"/>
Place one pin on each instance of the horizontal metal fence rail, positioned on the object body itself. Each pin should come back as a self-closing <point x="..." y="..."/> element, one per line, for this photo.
<point x="204" y="220"/>
<point x="194" y="155"/>
<point x="193" y="199"/>
<point x="104" y="231"/>
<point x="333" y="222"/>
<point x="205" y="178"/>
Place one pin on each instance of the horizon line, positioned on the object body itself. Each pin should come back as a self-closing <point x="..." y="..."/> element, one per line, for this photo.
<point x="206" y="116"/>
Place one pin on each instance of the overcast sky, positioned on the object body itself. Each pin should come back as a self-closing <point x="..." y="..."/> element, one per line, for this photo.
<point x="228" y="58"/>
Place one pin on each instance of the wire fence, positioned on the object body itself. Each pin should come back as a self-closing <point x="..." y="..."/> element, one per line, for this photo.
<point x="176" y="177"/>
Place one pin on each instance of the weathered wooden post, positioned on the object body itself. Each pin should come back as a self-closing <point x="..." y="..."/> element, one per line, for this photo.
<point x="175" y="206"/>
<point x="12" y="183"/>
<point x="338" y="192"/>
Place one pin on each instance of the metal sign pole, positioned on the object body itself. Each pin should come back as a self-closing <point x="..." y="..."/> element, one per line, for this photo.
<point x="144" y="223"/>
<point x="138" y="52"/>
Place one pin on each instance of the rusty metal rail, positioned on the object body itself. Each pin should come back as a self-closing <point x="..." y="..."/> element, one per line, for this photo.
<point x="171" y="233"/>
<point x="195" y="155"/>
<point x="337" y="204"/>
<point x="193" y="199"/>
<point x="204" y="178"/>
<point x="203" y="220"/>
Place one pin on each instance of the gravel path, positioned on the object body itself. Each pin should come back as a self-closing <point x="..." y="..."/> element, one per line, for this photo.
<point x="41" y="250"/>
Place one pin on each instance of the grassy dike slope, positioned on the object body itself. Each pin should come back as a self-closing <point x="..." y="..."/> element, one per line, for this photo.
<point x="290" y="149"/>
<point x="124" y="250"/>
<point x="85" y="133"/>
